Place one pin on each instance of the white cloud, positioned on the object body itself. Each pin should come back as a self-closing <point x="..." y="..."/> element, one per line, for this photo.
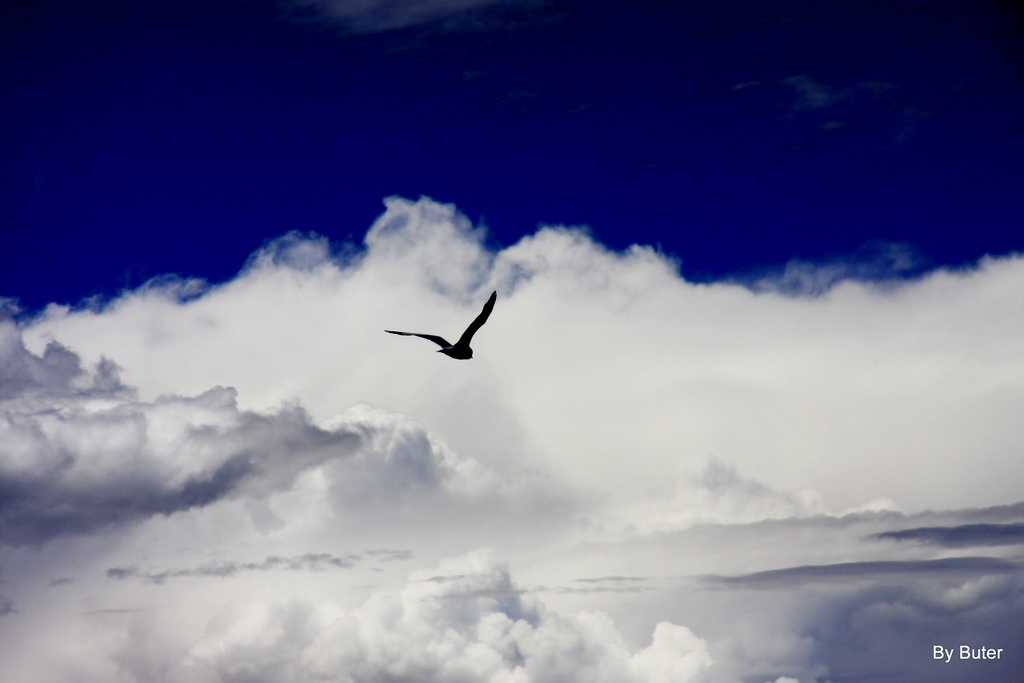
<point x="464" y="621"/>
<point x="715" y="494"/>
<point x="79" y="452"/>
<point x="607" y="369"/>
<point x="252" y="481"/>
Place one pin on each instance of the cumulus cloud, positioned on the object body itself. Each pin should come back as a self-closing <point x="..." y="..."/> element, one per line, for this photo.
<point x="399" y="457"/>
<point x="718" y="494"/>
<point x="55" y="374"/>
<point x="375" y="16"/>
<point x="607" y="369"/>
<point x="80" y="453"/>
<point x="190" y="459"/>
<point x="465" y="620"/>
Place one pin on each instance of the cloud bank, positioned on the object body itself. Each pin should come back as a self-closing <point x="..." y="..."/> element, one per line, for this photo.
<point x="810" y="477"/>
<point x="605" y="368"/>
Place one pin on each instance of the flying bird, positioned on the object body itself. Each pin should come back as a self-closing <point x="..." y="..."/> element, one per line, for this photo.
<point x="459" y="350"/>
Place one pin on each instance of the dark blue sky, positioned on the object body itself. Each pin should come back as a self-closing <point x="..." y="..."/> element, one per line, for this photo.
<point x="175" y="137"/>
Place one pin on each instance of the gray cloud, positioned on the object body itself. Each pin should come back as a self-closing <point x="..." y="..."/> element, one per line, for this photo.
<point x="995" y="513"/>
<point x="603" y="584"/>
<point x="962" y="536"/>
<point x="57" y="373"/>
<point x="612" y="584"/>
<point x="606" y="585"/>
<point x="871" y="619"/>
<point x="386" y="555"/>
<point x="890" y="632"/>
<point x="78" y="454"/>
<point x="613" y="579"/>
<point x="224" y="569"/>
<point x="791" y="577"/>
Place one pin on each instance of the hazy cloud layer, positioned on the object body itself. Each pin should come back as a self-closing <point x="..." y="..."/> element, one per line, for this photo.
<point x="308" y="562"/>
<point x="838" y="447"/>
<point x="375" y="16"/>
<point x="797" y="576"/>
<point x="879" y="264"/>
<point x="811" y="94"/>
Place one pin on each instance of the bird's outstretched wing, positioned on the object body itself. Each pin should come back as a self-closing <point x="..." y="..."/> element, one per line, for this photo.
<point x="440" y="341"/>
<point x="467" y="336"/>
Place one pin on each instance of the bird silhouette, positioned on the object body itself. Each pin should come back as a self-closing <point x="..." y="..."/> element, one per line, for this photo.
<point x="459" y="350"/>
